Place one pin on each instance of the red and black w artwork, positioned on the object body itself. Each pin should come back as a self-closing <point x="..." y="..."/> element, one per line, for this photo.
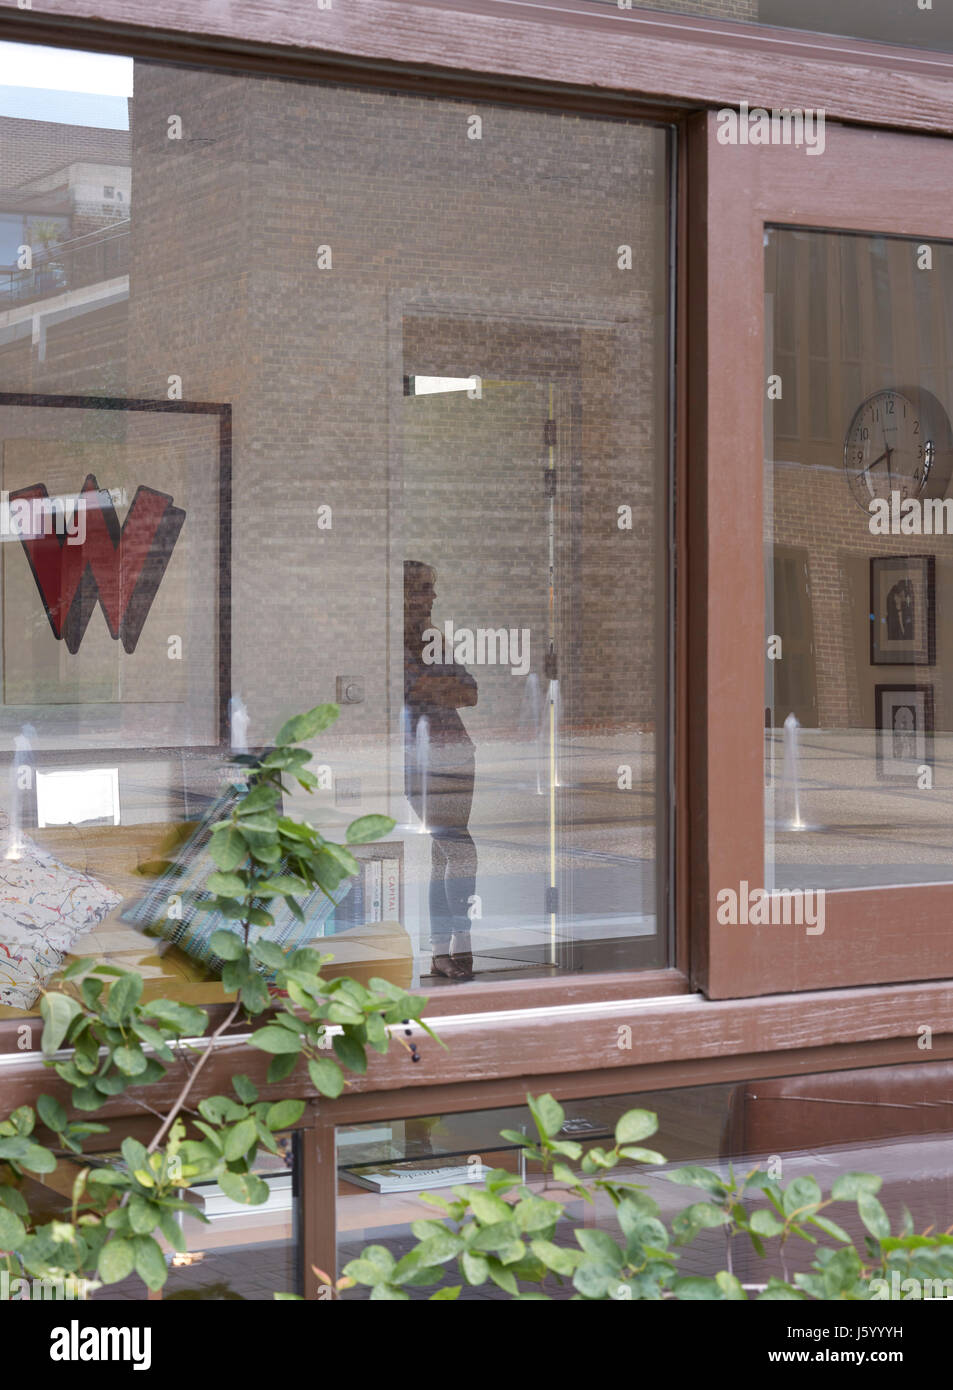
<point x="119" y="567"/>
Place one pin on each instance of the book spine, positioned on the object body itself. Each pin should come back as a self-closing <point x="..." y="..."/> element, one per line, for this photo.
<point x="390" y="890"/>
<point x="353" y="905"/>
<point x="372" y="890"/>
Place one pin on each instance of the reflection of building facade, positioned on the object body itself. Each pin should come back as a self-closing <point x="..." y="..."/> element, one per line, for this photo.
<point x="482" y="295"/>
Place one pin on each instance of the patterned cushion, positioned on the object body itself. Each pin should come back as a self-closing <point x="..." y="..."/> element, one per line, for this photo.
<point x="44" y="908"/>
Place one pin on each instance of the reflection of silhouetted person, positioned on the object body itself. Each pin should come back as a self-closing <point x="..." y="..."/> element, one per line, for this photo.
<point x="900" y="612"/>
<point x="437" y="692"/>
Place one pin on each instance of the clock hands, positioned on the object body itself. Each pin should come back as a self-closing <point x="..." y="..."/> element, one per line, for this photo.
<point x="874" y="465"/>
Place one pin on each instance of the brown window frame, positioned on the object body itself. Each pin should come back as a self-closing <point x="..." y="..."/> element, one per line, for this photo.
<point x="749" y="188"/>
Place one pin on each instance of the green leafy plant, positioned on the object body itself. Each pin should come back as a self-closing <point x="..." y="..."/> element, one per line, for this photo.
<point x="100" y="1038"/>
<point x="508" y="1232"/>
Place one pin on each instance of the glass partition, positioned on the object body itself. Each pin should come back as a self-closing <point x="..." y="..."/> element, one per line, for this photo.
<point x="313" y="393"/>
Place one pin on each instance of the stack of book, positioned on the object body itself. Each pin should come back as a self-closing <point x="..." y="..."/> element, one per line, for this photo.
<point x="373" y="895"/>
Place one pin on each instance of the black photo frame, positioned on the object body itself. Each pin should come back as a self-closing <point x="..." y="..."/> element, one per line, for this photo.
<point x="222" y="412"/>
<point x="904" y="731"/>
<point x="902" y="594"/>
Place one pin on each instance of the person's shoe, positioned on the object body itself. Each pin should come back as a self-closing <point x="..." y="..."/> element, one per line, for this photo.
<point x="462" y="955"/>
<point x="449" y="968"/>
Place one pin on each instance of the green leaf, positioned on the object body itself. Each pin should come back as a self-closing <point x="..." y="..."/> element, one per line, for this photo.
<point x="239" y="1139"/>
<point x="446" y="1295"/>
<point x="219" y="1110"/>
<point x="344" y="856"/>
<point x="27" y="1154"/>
<point x="304" y="726"/>
<point x="245" y="1088"/>
<point x="694" y="1176"/>
<point x="367" y="828"/>
<point x="116" y="1261"/>
<point x="831" y="1228"/>
<point x="327" y="1078"/>
<point x="269" y="953"/>
<point x="849" y="1186"/>
<point x="262" y="797"/>
<point x="487" y="1209"/>
<point x="227" y="945"/>
<point x="124" y="995"/>
<point x="12" y="1229"/>
<point x="730" y="1286"/>
<point x="765" y="1223"/>
<point x="135" y="1155"/>
<point x="635" y="1125"/>
<point x="143" y="1215"/>
<point x="476" y="1268"/>
<point x="150" y="1262"/>
<point x="279" y="1068"/>
<point x="594" y="1280"/>
<point x="642" y="1155"/>
<point x="51" y="1113"/>
<point x="75" y="968"/>
<point x="227" y="848"/>
<point x="245" y="1188"/>
<point x="777" y="1291"/>
<point x="57" y="1012"/>
<point x="264" y="824"/>
<point x="227" y="886"/>
<point x="14" y="1200"/>
<point x="873" y="1215"/>
<point x="801" y="1193"/>
<point x="184" y="1019"/>
<point x="555" y="1257"/>
<point x="271" y="1038"/>
<point x="600" y="1246"/>
<point x="254" y="995"/>
<point x="547" y="1113"/>
<point x="131" y="1061"/>
<point x="172" y="1230"/>
<point x="437" y="1249"/>
<point x="284" y="1113"/>
<point x="696" y="1288"/>
<point x="350" y="1053"/>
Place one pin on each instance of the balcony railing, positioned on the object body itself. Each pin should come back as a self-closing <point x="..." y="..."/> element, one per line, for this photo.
<point x="68" y="265"/>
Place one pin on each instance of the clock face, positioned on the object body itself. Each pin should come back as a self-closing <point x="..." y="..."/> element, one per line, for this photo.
<point x="892" y="446"/>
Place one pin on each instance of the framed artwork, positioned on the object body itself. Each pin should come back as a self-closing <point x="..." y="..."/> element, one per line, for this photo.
<point x="115" y="517"/>
<point x="904" y="730"/>
<point x="902" y="610"/>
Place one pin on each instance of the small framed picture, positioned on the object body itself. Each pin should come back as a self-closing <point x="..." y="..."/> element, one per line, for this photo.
<point x="902" y="610"/>
<point x="904" y="730"/>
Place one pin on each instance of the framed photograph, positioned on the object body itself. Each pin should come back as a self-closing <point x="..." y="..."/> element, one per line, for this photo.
<point x="904" y="730"/>
<point x="902" y="610"/>
<point x="115" y="517"/>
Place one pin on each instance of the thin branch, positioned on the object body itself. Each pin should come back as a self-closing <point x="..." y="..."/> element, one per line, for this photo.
<point x="181" y="1098"/>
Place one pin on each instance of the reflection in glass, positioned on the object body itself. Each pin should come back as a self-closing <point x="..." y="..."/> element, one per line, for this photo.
<point x="859" y="561"/>
<point x="415" y="461"/>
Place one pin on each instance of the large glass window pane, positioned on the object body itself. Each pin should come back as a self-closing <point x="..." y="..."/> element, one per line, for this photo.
<point x="859" y="562"/>
<point x="320" y="393"/>
<point x="892" y="1122"/>
<point x="907" y="23"/>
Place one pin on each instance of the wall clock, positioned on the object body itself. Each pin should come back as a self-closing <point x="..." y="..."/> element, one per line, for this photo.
<point x="900" y="440"/>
